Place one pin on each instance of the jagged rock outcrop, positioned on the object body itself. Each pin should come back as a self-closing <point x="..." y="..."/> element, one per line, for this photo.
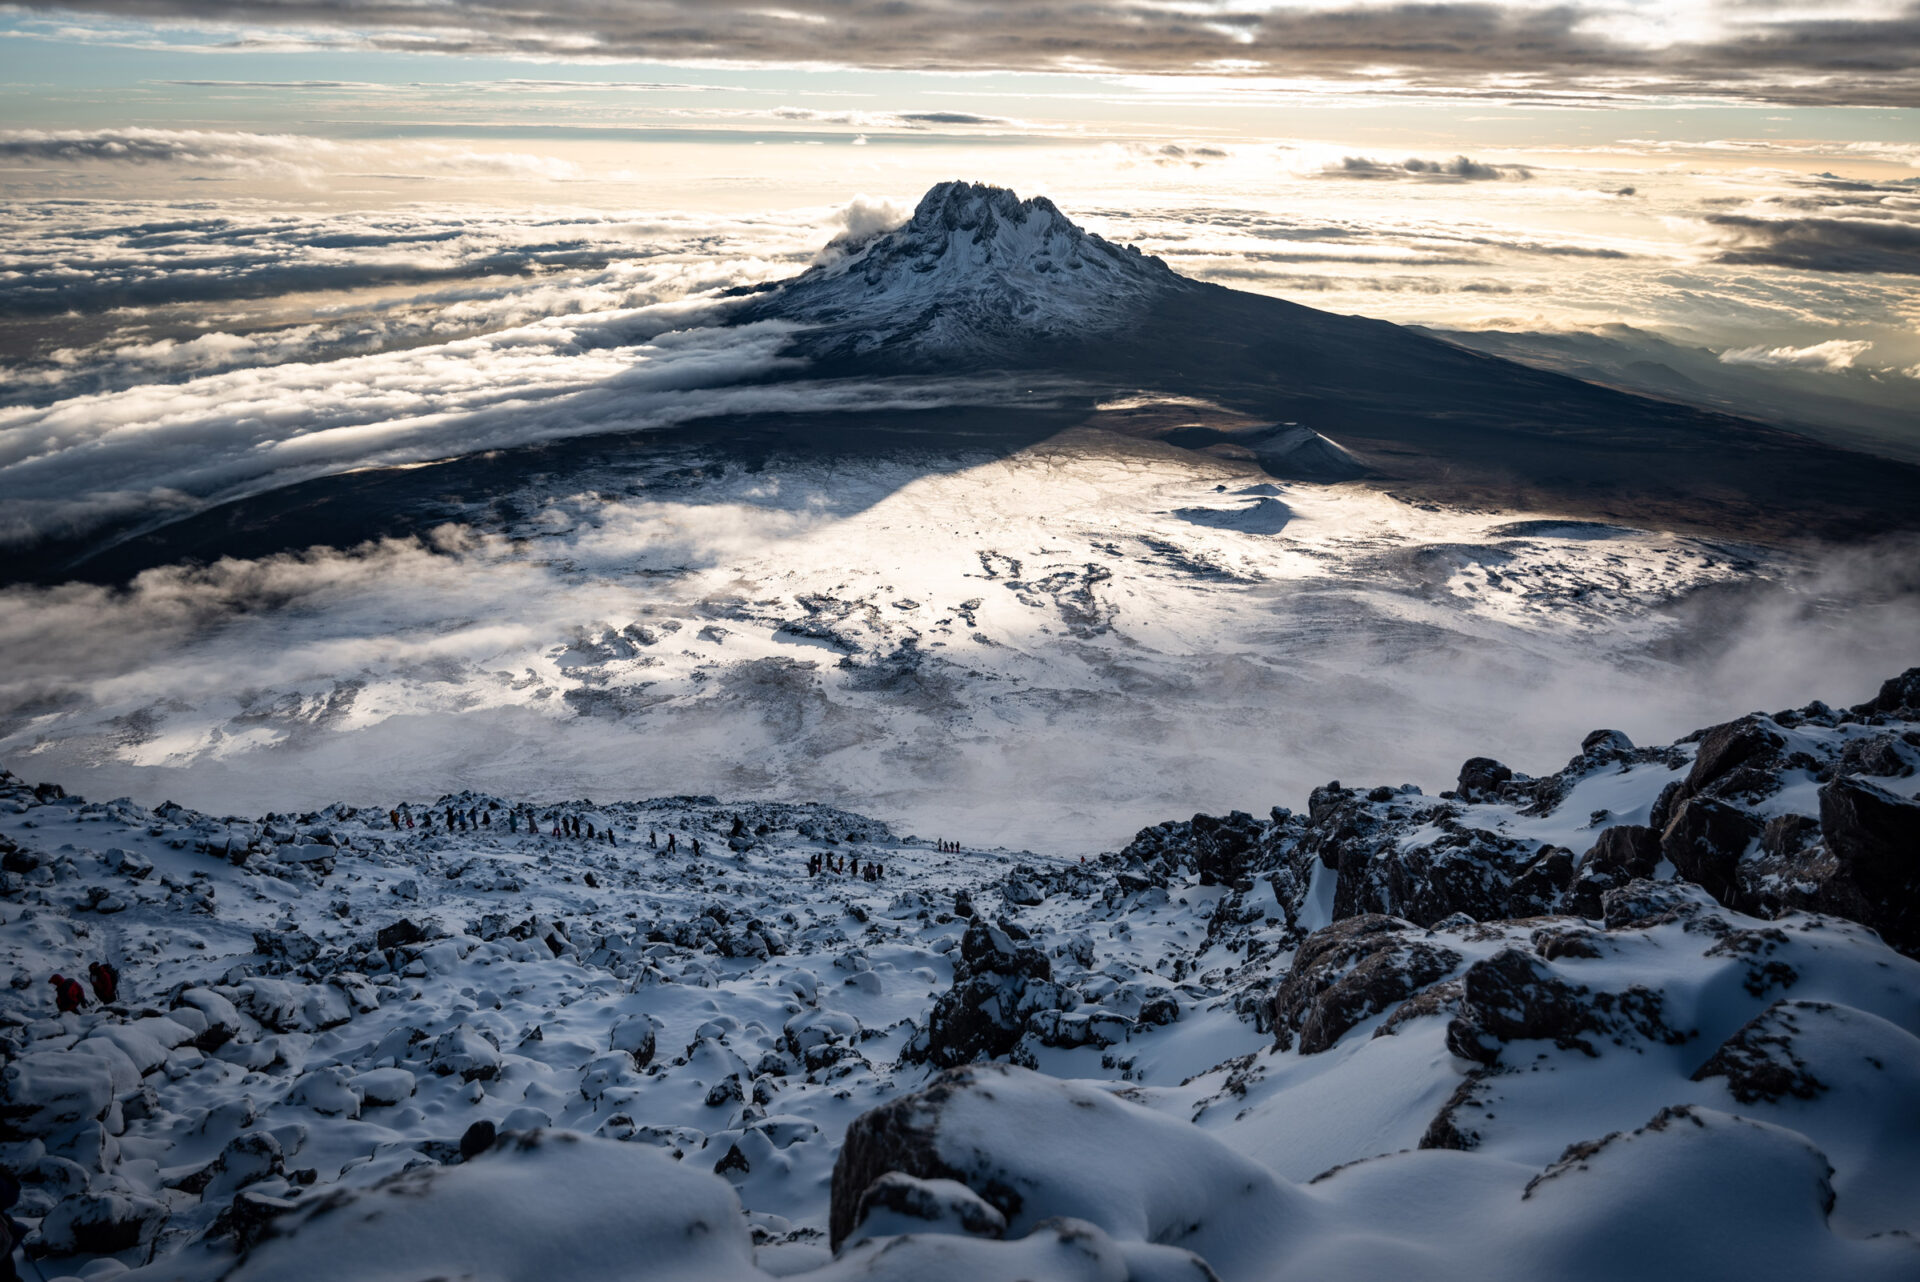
<point x="997" y="984"/>
<point x="1351" y="971"/>
<point x="976" y="271"/>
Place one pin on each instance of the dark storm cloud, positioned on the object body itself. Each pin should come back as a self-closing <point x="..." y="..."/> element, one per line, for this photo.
<point x="1760" y="53"/>
<point x="1819" y="244"/>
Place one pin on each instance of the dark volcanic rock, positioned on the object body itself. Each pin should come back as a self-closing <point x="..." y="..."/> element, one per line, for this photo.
<point x="1899" y="696"/>
<point x="1349" y="971"/>
<point x="1759" y="1062"/>
<point x="1705" y="840"/>
<point x="901" y="1136"/>
<point x="1223" y="847"/>
<point x="1631" y="850"/>
<point x="101" y="1224"/>
<point x="1469" y="872"/>
<point x="1640" y="904"/>
<point x="997" y="983"/>
<point x="1873" y="843"/>
<point x="940" y="1207"/>
<point x="1620" y="854"/>
<point x="1512" y="996"/>
<point x="398" y="935"/>
<point x="1878" y="755"/>
<point x="1481" y="779"/>
<point x="1737" y="743"/>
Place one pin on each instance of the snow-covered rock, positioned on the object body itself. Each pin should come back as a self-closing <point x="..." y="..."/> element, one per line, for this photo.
<point x="540" y="1205"/>
<point x="976" y="271"/>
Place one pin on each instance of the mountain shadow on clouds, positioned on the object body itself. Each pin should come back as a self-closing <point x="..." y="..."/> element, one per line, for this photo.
<point x="1033" y="326"/>
<point x="980" y="275"/>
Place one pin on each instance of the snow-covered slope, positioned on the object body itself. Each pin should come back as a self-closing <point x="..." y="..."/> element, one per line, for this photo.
<point x="975" y="273"/>
<point x="1390" y="1034"/>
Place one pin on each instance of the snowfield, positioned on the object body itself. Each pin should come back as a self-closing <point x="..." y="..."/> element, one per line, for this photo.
<point x="1658" y="1010"/>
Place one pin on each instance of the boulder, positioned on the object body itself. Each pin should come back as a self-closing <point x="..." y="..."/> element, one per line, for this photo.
<point x="1035" y="1148"/>
<point x="1879" y="755"/>
<point x="1481" y="779"/>
<point x="1759" y="1062"/>
<point x="248" y="1158"/>
<point x="1737" y="743"/>
<point x="1019" y="890"/>
<point x="383" y="1087"/>
<point x="1873" y="842"/>
<point x="1899" y="697"/>
<point x="326" y="1092"/>
<point x="1629" y="850"/>
<point x="634" y="1034"/>
<point x="1223" y="848"/>
<point x="897" y="1203"/>
<point x="1513" y="996"/>
<point x="1705" y="841"/>
<point x="246" y="1219"/>
<point x="543" y="1204"/>
<point x="465" y="1051"/>
<point x="101" y="1224"/>
<point x="398" y="935"/>
<point x="997" y="984"/>
<point x="1619" y="855"/>
<point x="1348" y="972"/>
<point x="44" y="1092"/>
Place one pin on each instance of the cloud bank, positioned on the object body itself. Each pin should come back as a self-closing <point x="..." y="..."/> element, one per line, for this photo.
<point x="1866" y="54"/>
<point x="1458" y="169"/>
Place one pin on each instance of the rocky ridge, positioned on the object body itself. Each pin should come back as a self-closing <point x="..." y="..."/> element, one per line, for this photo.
<point x="324" y="1012"/>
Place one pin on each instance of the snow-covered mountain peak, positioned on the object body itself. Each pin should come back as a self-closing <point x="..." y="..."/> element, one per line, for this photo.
<point x="975" y="270"/>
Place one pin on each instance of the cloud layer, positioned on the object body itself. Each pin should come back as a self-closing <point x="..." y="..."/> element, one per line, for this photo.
<point x="1865" y="52"/>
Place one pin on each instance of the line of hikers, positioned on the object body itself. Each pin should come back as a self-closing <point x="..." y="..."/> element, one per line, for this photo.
<point x="821" y="862"/>
<point x="475" y="818"/>
<point x="69" y="997"/>
<point x="947" y="847"/>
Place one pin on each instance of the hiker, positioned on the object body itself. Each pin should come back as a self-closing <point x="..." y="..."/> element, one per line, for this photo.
<point x="673" y="842"/>
<point x="513" y="822"/>
<point x="67" y="994"/>
<point x="651" y="843"/>
<point x="409" y="819"/>
<point x="106" y="982"/>
<point x="393" y="817"/>
<point x="486" y="818"/>
<point x="696" y="847"/>
<point x="589" y="832"/>
<point x="611" y="839"/>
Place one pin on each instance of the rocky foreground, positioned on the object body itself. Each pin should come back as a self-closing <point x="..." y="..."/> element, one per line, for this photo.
<point x="1657" y="1010"/>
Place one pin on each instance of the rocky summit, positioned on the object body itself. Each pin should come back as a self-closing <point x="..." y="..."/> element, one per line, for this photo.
<point x="975" y="273"/>
<point x="1571" y="1025"/>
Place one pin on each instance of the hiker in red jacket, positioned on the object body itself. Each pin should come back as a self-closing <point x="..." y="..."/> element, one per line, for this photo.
<point x="67" y="994"/>
<point x="106" y="982"/>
